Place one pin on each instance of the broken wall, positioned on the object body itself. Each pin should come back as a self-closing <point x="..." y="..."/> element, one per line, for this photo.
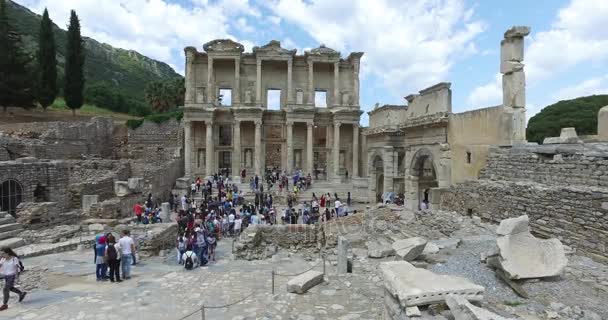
<point x="563" y="189"/>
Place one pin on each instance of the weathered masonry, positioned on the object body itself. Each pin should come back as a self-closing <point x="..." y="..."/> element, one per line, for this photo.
<point x="271" y="108"/>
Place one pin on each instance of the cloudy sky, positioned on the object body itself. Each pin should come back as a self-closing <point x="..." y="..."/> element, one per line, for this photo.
<point x="408" y="44"/>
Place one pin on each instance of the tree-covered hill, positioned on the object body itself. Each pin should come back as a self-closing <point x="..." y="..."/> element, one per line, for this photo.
<point x="580" y="113"/>
<point x="126" y="71"/>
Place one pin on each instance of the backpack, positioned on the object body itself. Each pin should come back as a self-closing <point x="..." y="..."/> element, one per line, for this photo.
<point x="112" y="254"/>
<point x="189" y="264"/>
<point x="21" y="268"/>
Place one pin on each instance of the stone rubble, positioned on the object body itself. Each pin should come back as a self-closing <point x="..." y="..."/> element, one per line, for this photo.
<point x="409" y="249"/>
<point x="464" y="310"/>
<point x="302" y="283"/>
<point x="522" y="256"/>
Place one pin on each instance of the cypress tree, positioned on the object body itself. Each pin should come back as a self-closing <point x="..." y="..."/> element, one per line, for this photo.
<point x="74" y="66"/>
<point x="16" y="78"/>
<point x="47" y="62"/>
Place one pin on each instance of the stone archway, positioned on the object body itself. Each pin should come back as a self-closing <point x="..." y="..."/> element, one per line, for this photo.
<point x="423" y="175"/>
<point x="11" y="195"/>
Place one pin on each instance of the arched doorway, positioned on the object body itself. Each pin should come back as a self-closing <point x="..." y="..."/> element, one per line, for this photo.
<point x="378" y="168"/>
<point x="424" y="171"/>
<point x="11" y="195"/>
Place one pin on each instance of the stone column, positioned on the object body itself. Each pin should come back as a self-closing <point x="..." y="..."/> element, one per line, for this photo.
<point x="355" y="172"/>
<point x="514" y="81"/>
<point x="188" y="141"/>
<point x="236" y="153"/>
<point x="343" y="245"/>
<point x="236" y="92"/>
<point x="356" y="83"/>
<point x="309" y="142"/>
<point x="329" y="138"/>
<point x="336" y="150"/>
<point x="289" y="81"/>
<point x="210" y="86"/>
<point x="190" y="96"/>
<point x="258" y="147"/>
<point x="258" y="82"/>
<point x="336" y="84"/>
<point x="388" y="162"/>
<point x="209" y="168"/>
<point x="311" y="87"/>
<point x="289" y="167"/>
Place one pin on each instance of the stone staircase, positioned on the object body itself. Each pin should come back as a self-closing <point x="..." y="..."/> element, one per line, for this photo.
<point x="9" y="230"/>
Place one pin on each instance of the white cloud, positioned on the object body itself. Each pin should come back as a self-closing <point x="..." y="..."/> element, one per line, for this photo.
<point x="408" y="45"/>
<point x="596" y="85"/>
<point x="155" y="28"/>
<point x="489" y="94"/>
<point x="577" y="35"/>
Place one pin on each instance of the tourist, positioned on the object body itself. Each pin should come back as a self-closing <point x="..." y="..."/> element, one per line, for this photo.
<point x="113" y="258"/>
<point x="338" y="206"/>
<point x="211" y="245"/>
<point x="184" y="201"/>
<point x="237" y="225"/>
<point x="138" y="210"/>
<point x="127" y="248"/>
<point x="322" y="201"/>
<point x="181" y="247"/>
<point x="100" y="264"/>
<point x="231" y="218"/>
<point x="11" y="267"/>
<point x="198" y="183"/>
<point x="190" y="259"/>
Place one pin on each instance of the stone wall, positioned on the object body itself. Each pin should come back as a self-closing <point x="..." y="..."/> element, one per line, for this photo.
<point x="262" y="241"/>
<point x="562" y="188"/>
<point x="41" y="140"/>
<point x="95" y="177"/>
<point x="155" y="142"/>
<point x="159" y="180"/>
<point x="53" y="176"/>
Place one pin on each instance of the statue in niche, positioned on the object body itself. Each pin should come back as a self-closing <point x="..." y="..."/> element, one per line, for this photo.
<point x="248" y="96"/>
<point x="299" y="96"/>
<point x="345" y="98"/>
<point x="248" y="158"/>
<point x="201" y="94"/>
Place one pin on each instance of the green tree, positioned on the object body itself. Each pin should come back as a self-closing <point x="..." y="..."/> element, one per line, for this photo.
<point x="47" y="62"/>
<point x="16" y="85"/>
<point x="580" y="113"/>
<point x="163" y="96"/>
<point x="74" y="66"/>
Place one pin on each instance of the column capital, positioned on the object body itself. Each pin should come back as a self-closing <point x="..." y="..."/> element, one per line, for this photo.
<point x="310" y="124"/>
<point x="258" y="61"/>
<point x="208" y="122"/>
<point x="289" y="123"/>
<point x="310" y="62"/>
<point x="258" y="123"/>
<point x="236" y="122"/>
<point x="337" y="123"/>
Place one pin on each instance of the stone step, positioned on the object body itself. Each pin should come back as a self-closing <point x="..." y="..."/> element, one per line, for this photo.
<point x="12" y="243"/>
<point x="7" y="220"/>
<point x="10" y="227"/>
<point x="10" y="234"/>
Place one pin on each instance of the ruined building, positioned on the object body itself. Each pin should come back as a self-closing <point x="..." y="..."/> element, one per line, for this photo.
<point x="284" y="110"/>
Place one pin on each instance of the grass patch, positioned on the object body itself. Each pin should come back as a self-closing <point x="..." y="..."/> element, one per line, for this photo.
<point x="88" y="110"/>
<point x="156" y="118"/>
<point x="513" y="303"/>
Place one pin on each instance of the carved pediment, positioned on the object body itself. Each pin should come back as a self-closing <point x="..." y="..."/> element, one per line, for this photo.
<point x="223" y="45"/>
<point x="273" y="48"/>
<point x="323" y="51"/>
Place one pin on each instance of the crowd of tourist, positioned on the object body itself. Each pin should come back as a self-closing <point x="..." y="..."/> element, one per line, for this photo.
<point x="112" y="256"/>
<point x="217" y="209"/>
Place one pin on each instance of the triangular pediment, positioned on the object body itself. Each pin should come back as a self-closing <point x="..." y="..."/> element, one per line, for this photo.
<point x="323" y="51"/>
<point x="273" y="48"/>
<point x="223" y="45"/>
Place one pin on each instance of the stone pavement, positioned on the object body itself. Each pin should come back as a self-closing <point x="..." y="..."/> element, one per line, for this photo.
<point x="160" y="289"/>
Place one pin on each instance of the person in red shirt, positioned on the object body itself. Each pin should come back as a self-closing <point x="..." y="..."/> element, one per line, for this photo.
<point x="138" y="210"/>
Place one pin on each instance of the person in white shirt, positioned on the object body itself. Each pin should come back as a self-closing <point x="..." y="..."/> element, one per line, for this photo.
<point x="184" y="203"/>
<point x="127" y="248"/>
<point x="231" y="223"/>
<point x="337" y="206"/>
<point x="190" y="254"/>
<point x="237" y="225"/>
<point x="11" y="267"/>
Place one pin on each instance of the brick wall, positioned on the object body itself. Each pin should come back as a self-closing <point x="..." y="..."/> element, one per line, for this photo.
<point x="561" y="188"/>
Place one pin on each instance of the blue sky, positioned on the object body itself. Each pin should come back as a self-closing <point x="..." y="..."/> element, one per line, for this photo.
<point x="408" y="44"/>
